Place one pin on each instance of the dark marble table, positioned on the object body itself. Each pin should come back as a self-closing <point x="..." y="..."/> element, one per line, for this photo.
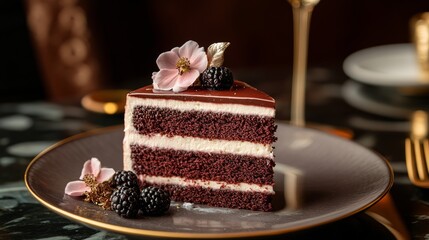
<point x="27" y="128"/>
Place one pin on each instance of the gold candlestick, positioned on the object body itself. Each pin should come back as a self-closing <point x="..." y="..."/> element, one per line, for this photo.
<point x="301" y="10"/>
<point x="419" y="25"/>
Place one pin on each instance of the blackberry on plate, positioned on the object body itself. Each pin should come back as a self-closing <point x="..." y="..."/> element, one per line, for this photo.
<point x="125" y="202"/>
<point x="125" y="178"/>
<point x="217" y="78"/>
<point x="154" y="201"/>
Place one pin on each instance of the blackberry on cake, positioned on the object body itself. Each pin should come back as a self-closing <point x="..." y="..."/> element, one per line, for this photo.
<point x="201" y="146"/>
<point x="217" y="78"/>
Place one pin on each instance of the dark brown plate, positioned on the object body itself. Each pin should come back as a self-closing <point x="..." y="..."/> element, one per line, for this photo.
<point x="319" y="179"/>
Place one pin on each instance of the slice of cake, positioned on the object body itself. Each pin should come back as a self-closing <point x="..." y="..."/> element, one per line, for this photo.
<point x="203" y="146"/>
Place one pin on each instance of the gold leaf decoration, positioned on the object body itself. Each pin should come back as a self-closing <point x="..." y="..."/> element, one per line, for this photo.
<point x="215" y="54"/>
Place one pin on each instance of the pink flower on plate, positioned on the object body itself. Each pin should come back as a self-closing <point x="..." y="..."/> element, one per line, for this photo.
<point x="180" y="67"/>
<point x="91" y="167"/>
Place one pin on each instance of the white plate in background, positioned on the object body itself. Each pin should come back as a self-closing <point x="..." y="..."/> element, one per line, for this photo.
<point x="392" y="65"/>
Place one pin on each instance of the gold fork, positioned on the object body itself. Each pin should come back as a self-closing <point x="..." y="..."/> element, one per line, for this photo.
<point x="417" y="150"/>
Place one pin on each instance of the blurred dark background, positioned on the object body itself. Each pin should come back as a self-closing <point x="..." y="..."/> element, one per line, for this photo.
<point x="62" y="49"/>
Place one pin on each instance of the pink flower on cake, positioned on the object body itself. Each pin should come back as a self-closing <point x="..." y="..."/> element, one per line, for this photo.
<point x="91" y="168"/>
<point x="180" y="67"/>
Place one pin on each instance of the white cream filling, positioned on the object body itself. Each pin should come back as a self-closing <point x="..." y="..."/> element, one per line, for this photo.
<point x="200" y="144"/>
<point x="217" y="185"/>
<point x="200" y="106"/>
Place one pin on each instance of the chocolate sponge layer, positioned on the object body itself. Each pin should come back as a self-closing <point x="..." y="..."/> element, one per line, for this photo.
<point x="219" y="198"/>
<point x="199" y="165"/>
<point x="211" y="125"/>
